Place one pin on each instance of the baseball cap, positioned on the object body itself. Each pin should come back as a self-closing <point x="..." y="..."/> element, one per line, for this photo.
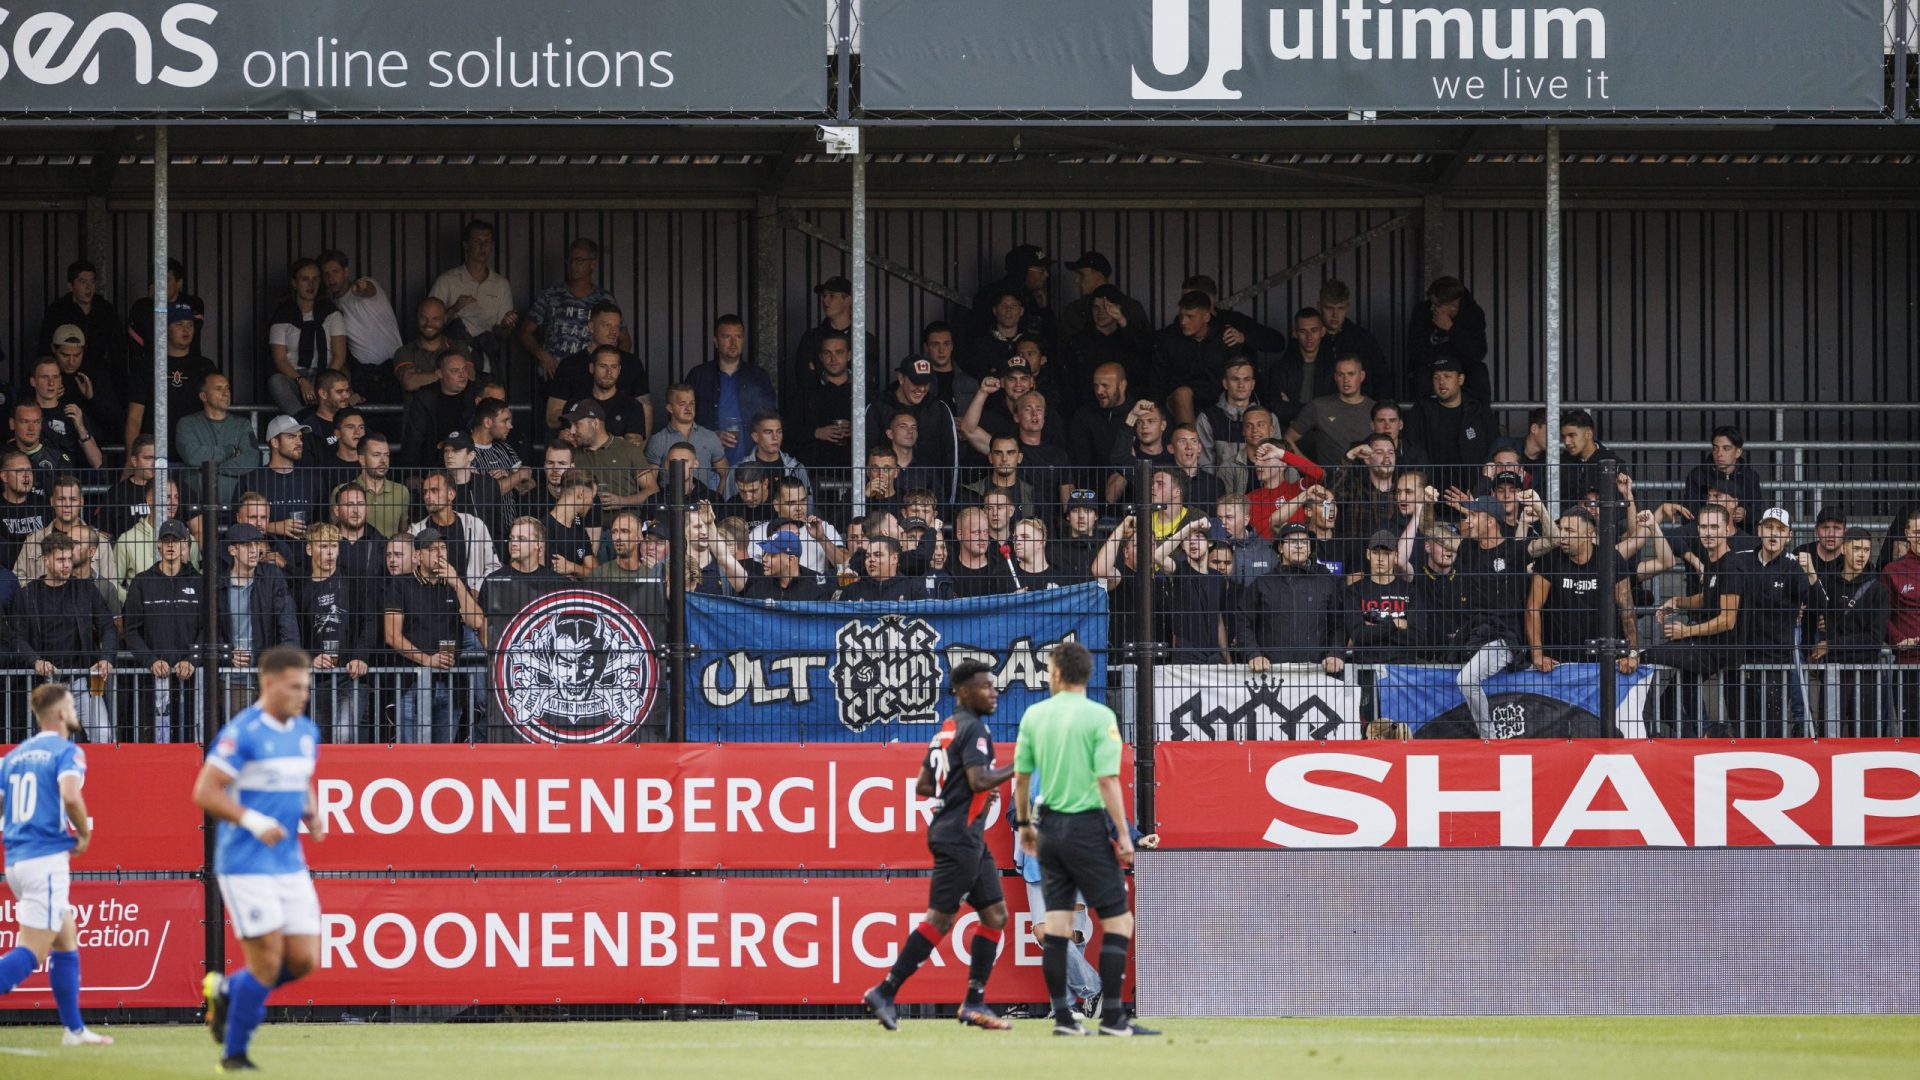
<point x="1217" y="532"/>
<point x="781" y="543"/>
<point x="1510" y="478"/>
<point x="1083" y="497"/>
<point x="241" y="533"/>
<point x="1289" y="529"/>
<point x="69" y="334"/>
<point x="458" y="440"/>
<point x="584" y="409"/>
<point x="1092" y="260"/>
<point x="428" y="535"/>
<point x="182" y="313"/>
<point x="1383" y="538"/>
<point x="1484" y="505"/>
<point x="650" y="527"/>
<point x="917" y="369"/>
<point x="1778" y="514"/>
<point x="177" y="530"/>
<point x="836" y="283"/>
<point x="1831" y="514"/>
<point x="1012" y="364"/>
<point x="1445" y="362"/>
<point x="914" y="523"/>
<point x="1025" y="256"/>
<point x="284" y="425"/>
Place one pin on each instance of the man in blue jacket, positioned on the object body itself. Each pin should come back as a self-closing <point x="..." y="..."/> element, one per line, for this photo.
<point x="728" y="391"/>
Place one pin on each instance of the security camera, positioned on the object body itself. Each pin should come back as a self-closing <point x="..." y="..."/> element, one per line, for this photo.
<point x="840" y="140"/>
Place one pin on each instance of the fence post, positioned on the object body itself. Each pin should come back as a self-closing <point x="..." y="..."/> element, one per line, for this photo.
<point x="1605" y="552"/>
<point x="1144" y="648"/>
<point x="210" y="694"/>
<point x="676" y="601"/>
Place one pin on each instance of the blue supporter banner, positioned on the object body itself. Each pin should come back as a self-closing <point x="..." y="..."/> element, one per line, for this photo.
<point x="1523" y="704"/>
<point x="764" y="671"/>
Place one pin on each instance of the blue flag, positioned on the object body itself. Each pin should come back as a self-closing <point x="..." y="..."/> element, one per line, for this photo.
<point x="1525" y="704"/>
<point x="768" y="671"/>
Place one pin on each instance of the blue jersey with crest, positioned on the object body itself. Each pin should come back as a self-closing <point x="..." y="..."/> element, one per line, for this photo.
<point x="271" y="765"/>
<point x="33" y="817"/>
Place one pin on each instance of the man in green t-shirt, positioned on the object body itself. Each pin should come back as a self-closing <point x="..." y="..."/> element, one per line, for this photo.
<point x="1081" y="839"/>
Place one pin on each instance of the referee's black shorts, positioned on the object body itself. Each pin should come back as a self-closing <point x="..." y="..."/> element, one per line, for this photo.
<point x="963" y="872"/>
<point x="1076" y="856"/>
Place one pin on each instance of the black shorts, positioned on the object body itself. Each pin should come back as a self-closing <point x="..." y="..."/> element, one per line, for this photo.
<point x="1076" y="856"/>
<point x="963" y="872"/>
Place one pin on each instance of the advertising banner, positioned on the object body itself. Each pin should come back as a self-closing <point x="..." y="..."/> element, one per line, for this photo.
<point x="1749" y="793"/>
<point x="576" y="56"/>
<point x="141" y="801"/>
<point x="1360" y="56"/>
<point x="142" y="945"/>
<point x="654" y="940"/>
<point x="874" y="672"/>
<point x="1205" y="703"/>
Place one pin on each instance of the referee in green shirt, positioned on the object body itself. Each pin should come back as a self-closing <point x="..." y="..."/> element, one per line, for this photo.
<point x="1081" y="837"/>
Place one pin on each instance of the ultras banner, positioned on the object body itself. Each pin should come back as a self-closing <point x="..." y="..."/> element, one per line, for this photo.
<point x="654" y="940"/>
<point x="143" y="944"/>
<point x="1839" y="792"/>
<point x="436" y="56"/>
<point x="878" y="672"/>
<point x="577" y="666"/>
<point x="141" y="801"/>
<point x="1356" y="56"/>
<point x="1206" y="703"/>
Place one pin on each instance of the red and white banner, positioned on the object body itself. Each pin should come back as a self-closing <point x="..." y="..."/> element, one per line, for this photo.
<point x="140" y="799"/>
<point x="745" y="806"/>
<point x="655" y="940"/>
<point x="142" y="945"/>
<point x="1847" y="792"/>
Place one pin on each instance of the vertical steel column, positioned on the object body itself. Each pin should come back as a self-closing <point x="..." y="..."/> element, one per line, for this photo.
<point x="1604" y="552"/>
<point x="766" y="289"/>
<point x="859" y="376"/>
<point x="1553" y="314"/>
<point x="158" y="413"/>
<point x="212" y="693"/>
<point x="677" y="601"/>
<point x="1145" y="649"/>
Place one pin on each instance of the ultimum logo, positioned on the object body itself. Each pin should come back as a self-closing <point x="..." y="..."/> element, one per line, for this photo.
<point x="51" y="47"/>
<point x="1355" y="30"/>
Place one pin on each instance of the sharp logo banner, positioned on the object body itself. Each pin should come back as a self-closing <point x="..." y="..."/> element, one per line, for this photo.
<point x="578" y="56"/>
<point x="1220" y="703"/>
<point x="1373" y="55"/>
<point x="1563" y="704"/>
<point x="831" y="672"/>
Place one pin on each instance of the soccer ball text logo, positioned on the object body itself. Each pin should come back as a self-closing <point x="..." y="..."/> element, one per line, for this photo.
<point x="888" y="671"/>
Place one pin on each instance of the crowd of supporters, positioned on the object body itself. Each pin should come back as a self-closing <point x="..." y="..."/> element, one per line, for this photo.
<point x="1308" y="497"/>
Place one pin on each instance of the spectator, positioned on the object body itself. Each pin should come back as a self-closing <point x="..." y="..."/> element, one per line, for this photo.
<point x="1829" y="547"/>
<point x="1146" y="441"/>
<point x="783" y="576"/>
<point x="339" y="463"/>
<point x="423" y="620"/>
<point x="1003" y="475"/>
<point x="291" y="491"/>
<point x="1236" y="469"/>
<point x="1390" y="419"/>
<point x="1000" y="509"/>
<point x="1366" y="490"/>
<point x="1220" y="424"/>
<point x="1292" y="613"/>
<point x="1855" y="607"/>
<point x="363" y="550"/>
<point x="1348" y="338"/>
<point x="751" y="501"/>
<point x="102" y="335"/>
<point x="1324" y="428"/>
<point x="728" y="392"/>
<point x="69" y="517"/>
<point x="1380" y="612"/>
<point x="929" y="452"/>
<point x="1581" y="456"/>
<point x="253" y="509"/>
<point x="998" y="336"/>
<point x="1116" y="566"/>
<point x="1449" y="323"/>
<point x="882" y="580"/>
<point x="434" y="411"/>
<point x="824" y="414"/>
<point x="1725" y="470"/>
<point x="1710" y="643"/>
<point x="654" y="488"/>
<point x="478" y="297"/>
<point x="1303" y="372"/>
<point x="1532" y="450"/>
<point x="1118" y="332"/>
<point x="28" y="442"/>
<point x="494" y="453"/>
<point x="58" y="628"/>
<point x="1284" y="483"/>
<point x="1194" y="596"/>
<point x="165" y="625"/>
<point x="1190" y="360"/>
<point x="467" y="542"/>
<point x="1443" y="607"/>
<point x="1189" y="458"/>
<point x="1902" y="579"/>
<point x="977" y="569"/>
<point x="1093" y="274"/>
<point x="1253" y="554"/>
<point x="1452" y="432"/>
<point x="824" y="546"/>
<point x="129" y="498"/>
<point x="23" y="512"/>
<point x="950" y="384"/>
<point x="570" y="543"/>
<point x="1237" y="330"/>
<point x="625" y="377"/>
<point x="1100" y="425"/>
<point x="1772" y="597"/>
<point x="340" y="636"/>
<point x="1342" y="556"/>
<point x="256" y="608"/>
<point x="417" y="363"/>
<point x="627" y="417"/>
<point x="615" y="464"/>
<point x="628" y="562"/>
<point x="306" y="335"/>
<point x="881" y="479"/>
<point x="558" y="323"/>
<point x="1025" y="280"/>
<point x="709" y="451"/>
<point x="140" y="319"/>
<point x="64" y="427"/>
<point x="387" y="501"/>
<point x="186" y="369"/>
<point x="372" y="332"/>
<point x="332" y="395"/>
<point x="1493" y="576"/>
<point x="992" y="412"/>
<point x="526" y="576"/>
<point x="836" y="318"/>
<point x="1033" y="567"/>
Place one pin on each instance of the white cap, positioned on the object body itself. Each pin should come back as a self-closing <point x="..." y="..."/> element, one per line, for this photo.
<point x="284" y="425"/>
<point x="1779" y="515"/>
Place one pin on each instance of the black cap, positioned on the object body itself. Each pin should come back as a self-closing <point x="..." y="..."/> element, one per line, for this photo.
<point x="1509" y="477"/>
<point x="914" y="523"/>
<point x="1026" y="256"/>
<point x="175" y="530"/>
<point x="459" y="440"/>
<point x="1092" y="260"/>
<point x="836" y="283"/>
<point x="917" y="369"/>
<point x="1833" y="515"/>
<point x="1289" y="529"/>
<point x="1012" y="364"/>
<point x="1083" y="497"/>
<point x="428" y="535"/>
<point x="1383" y="538"/>
<point x="242" y="533"/>
<point x="584" y="409"/>
<point x="1445" y="362"/>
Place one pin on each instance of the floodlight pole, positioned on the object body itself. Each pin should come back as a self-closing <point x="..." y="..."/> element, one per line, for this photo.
<point x="1553" y="316"/>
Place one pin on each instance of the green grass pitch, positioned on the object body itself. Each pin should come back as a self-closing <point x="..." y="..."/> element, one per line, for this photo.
<point x="1695" y="1048"/>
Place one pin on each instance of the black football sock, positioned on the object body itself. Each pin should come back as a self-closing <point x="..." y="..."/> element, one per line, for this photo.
<point x="914" y="952"/>
<point x="1113" y="970"/>
<point x="982" y="952"/>
<point x="1053" y="965"/>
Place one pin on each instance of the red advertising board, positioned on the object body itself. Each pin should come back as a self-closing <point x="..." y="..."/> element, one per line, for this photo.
<point x="745" y="806"/>
<point x="1848" y="792"/>
<point x="142" y="945"/>
<point x="141" y="801"/>
<point x="653" y="940"/>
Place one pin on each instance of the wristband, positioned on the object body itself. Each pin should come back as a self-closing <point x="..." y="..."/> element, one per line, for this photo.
<point x="1018" y="824"/>
<point x="256" y="822"/>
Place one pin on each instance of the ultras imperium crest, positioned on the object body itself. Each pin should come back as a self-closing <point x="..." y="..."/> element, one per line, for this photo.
<point x="576" y="667"/>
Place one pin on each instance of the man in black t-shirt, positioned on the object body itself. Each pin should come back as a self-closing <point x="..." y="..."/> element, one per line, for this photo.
<point x="1779" y="586"/>
<point x="1563" y="599"/>
<point x="22" y="513"/>
<point x="960" y="773"/>
<point x="977" y="569"/>
<point x="570" y="541"/>
<point x="425" y="611"/>
<point x="1708" y="644"/>
<point x="1493" y="570"/>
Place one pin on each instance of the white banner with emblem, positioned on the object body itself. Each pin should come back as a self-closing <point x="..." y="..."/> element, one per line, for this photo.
<point x="1219" y="703"/>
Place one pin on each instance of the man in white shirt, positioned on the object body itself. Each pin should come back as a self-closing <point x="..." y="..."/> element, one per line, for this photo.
<point x="373" y="334"/>
<point x="477" y="297"/>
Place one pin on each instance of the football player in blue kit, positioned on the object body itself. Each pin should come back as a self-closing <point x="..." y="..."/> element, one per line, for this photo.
<point x="40" y="785"/>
